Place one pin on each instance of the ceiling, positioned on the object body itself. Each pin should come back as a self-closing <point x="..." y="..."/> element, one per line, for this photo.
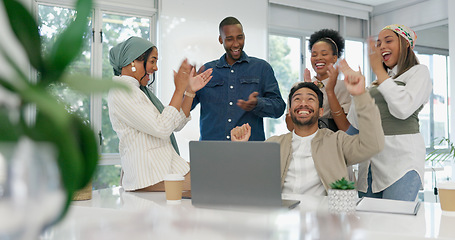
<point x="425" y="36"/>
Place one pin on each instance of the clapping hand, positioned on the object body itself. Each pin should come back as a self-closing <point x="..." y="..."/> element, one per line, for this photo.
<point x="307" y="75"/>
<point x="333" y="77"/>
<point x="250" y="104"/>
<point x="198" y="81"/>
<point x="374" y="54"/>
<point x="354" y="81"/>
<point x="241" y="133"/>
<point x="181" y="78"/>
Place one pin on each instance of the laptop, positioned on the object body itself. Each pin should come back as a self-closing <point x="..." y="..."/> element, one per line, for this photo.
<point x="236" y="174"/>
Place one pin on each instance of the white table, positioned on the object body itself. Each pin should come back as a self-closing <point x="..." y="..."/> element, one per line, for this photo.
<point x="116" y="214"/>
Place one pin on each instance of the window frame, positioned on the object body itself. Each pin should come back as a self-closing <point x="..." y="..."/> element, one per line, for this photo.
<point x="141" y="8"/>
<point x="444" y="52"/>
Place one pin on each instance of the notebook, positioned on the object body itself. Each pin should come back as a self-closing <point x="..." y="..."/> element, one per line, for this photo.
<point x="236" y="174"/>
<point x="367" y="204"/>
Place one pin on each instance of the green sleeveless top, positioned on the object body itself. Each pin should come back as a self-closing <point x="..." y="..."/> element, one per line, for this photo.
<point x="390" y="124"/>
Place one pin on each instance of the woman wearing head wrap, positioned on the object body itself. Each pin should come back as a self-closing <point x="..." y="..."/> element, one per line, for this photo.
<point x="402" y="87"/>
<point x="148" y="150"/>
<point x="326" y="46"/>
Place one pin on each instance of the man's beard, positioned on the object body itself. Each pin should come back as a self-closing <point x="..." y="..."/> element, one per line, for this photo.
<point x="309" y="122"/>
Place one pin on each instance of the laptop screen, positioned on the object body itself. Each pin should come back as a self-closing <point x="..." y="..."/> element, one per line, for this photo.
<point x="235" y="173"/>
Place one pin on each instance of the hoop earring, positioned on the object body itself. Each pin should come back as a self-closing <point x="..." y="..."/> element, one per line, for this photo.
<point x="133" y="68"/>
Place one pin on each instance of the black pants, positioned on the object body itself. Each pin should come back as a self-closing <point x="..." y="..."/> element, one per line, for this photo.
<point x="328" y="123"/>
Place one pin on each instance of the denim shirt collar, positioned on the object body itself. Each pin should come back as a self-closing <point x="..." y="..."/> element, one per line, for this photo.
<point x="223" y="63"/>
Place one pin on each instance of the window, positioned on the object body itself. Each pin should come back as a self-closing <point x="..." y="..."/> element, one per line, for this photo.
<point x="52" y="21"/>
<point x="353" y="53"/>
<point x="116" y="29"/>
<point x="434" y="115"/>
<point x="285" y="59"/>
<point x="434" y="120"/>
<point x="106" y="29"/>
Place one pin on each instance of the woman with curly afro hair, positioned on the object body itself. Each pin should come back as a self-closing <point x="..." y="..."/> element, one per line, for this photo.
<point x="326" y="47"/>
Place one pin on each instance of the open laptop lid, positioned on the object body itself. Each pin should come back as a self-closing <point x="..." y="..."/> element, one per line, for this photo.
<point x="225" y="173"/>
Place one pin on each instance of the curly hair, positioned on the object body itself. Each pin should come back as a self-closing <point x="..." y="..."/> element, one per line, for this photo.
<point x="332" y="37"/>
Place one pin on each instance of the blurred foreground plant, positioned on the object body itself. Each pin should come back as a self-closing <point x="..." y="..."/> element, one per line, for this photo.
<point x="74" y="140"/>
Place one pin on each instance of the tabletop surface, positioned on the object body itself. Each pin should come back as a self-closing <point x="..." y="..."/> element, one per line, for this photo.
<point x="116" y="214"/>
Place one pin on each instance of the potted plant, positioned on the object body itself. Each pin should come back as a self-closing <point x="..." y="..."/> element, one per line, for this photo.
<point x="342" y="196"/>
<point x="441" y="155"/>
<point x="38" y="115"/>
<point x="437" y="157"/>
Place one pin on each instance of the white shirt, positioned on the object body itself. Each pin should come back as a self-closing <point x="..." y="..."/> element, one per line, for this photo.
<point x="342" y="94"/>
<point x="302" y="177"/>
<point x="401" y="153"/>
<point x="146" y="152"/>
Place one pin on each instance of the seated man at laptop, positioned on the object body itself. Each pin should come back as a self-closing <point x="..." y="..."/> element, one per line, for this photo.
<point x="312" y="158"/>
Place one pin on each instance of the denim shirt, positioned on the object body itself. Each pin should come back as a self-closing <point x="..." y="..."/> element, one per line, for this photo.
<point x="218" y="99"/>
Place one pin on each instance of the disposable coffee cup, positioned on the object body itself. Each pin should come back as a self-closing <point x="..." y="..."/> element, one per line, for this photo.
<point x="173" y="185"/>
<point x="447" y="197"/>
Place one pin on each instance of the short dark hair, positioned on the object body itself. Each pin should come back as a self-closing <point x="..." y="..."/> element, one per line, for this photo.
<point x="332" y="37"/>
<point x="309" y="85"/>
<point x="228" y="21"/>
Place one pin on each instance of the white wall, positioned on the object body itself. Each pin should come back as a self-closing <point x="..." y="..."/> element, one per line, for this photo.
<point x="451" y="9"/>
<point x="189" y="29"/>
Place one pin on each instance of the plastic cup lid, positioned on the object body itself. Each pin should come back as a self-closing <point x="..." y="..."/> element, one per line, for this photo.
<point x="174" y="177"/>
<point x="446" y="185"/>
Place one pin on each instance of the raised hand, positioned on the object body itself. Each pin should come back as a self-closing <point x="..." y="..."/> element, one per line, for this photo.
<point x="181" y="78"/>
<point x="306" y="75"/>
<point x="374" y="54"/>
<point x="354" y="81"/>
<point x="333" y="77"/>
<point x="241" y="133"/>
<point x="250" y="104"/>
<point x="200" y="80"/>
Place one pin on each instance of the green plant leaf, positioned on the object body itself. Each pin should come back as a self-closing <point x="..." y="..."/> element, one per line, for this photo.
<point x="441" y="155"/>
<point x="47" y="104"/>
<point x="68" y="44"/>
<point x="7" y="85"/>
<point x="85" y="140"/>
<point x="70" y="159"/>
<point x="87" y="85"/>
<point x="342" y="184"/>
<point x="8" y="131"/>
<point x="21" y="78"/>
<point x="25" y="28"/>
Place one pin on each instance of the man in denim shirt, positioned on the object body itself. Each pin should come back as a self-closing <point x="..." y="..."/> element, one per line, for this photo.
<point x="243" y="89"/>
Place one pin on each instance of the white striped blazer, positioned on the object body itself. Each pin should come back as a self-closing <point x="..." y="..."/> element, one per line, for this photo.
<point x="145" y="148"/>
